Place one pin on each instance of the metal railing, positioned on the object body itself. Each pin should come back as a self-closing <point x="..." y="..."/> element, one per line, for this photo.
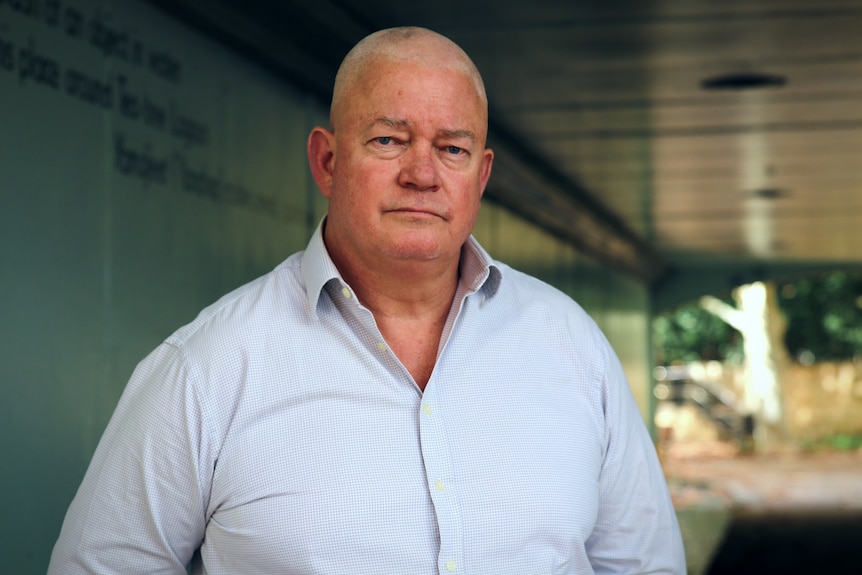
<point x="678" y="384"/>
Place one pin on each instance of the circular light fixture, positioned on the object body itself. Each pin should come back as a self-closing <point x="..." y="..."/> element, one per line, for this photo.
<point x="743" y="81"/>
<point x="768" y="193"/>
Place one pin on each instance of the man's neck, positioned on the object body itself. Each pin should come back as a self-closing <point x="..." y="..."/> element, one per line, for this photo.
<point x="410" y="302"/>
<point x="407" y="290"/>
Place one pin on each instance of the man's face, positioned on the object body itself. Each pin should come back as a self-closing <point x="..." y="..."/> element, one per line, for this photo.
<point x="408" y="165"/>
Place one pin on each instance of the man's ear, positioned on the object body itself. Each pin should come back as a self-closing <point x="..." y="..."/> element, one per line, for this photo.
<point x="485" y="169"/>
<point x="321" y="158"/>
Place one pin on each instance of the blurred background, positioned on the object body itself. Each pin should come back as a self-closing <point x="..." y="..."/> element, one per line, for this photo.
<point x="688" y="171"/>
<point x="758" y="420"/>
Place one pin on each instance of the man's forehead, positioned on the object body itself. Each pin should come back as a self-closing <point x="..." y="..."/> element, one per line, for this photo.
<point x="392" y="92"/>
<point x="376" y="71"/>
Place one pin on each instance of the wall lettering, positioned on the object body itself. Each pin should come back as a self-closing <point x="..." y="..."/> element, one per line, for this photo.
<point x="31" y="66"/>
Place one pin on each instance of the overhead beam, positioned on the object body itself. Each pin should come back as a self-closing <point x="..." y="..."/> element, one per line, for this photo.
<point x="526" y="183"/>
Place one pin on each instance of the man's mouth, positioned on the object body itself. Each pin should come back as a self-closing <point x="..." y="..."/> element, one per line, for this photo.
<point x="415" y="211"/>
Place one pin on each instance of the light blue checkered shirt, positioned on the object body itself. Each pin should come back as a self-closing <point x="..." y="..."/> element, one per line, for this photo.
<point x="278" y="434"/>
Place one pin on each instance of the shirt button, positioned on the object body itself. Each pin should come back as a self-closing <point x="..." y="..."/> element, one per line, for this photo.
<point x="450" y="566"/>
<point x="381" y="345"/>
<point x="346" y="292"/>
<point x="439" y="486"/>
<point x="426" y="409"/>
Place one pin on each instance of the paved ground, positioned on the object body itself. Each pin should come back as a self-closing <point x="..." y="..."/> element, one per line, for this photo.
<point x="713" y="473"/>
<point x="725" y="500"/>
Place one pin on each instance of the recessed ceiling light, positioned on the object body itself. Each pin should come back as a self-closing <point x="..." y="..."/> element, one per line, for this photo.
<point x="743" y="81"/>
<point x="768" y="193"/>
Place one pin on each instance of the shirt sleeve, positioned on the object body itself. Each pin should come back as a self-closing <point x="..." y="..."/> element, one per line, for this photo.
<point x="141" y="506"/>
<point x="637" y="529"/>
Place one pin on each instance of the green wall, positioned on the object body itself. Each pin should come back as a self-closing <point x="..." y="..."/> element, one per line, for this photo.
<point x="144" y="171"/>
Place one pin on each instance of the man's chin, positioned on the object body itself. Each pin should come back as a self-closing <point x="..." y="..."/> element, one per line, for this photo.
<point x="414" y="248"/>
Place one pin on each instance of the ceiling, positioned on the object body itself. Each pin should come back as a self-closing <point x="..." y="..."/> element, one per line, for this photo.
<point x="604" y="130"/>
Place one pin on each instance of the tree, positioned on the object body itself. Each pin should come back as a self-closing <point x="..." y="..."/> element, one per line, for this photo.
<point x="824" y="314"/>
<point x="762" y="325"/>
<point x="824" y="323"/>
<point x="689" y="333"/>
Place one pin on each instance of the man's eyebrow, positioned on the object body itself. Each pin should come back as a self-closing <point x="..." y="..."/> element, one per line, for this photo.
<point x="400" y="124"/>
<point x="457" y="134"/>
<point x="391" y="122"/>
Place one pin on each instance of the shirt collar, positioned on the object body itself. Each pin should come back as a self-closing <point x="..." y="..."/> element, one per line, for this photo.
<point x="478" y="269"/>
<point x="318" y="268"/>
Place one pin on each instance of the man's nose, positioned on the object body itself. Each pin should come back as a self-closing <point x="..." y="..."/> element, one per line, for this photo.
<point x="418" y="169"/>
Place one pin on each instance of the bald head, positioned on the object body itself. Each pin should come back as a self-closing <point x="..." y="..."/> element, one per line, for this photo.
<point x="408" y="44"/>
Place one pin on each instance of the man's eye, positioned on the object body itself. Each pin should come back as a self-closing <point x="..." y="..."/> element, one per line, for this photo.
<point x="384" y="140"/>
<point x="454" y="150"/>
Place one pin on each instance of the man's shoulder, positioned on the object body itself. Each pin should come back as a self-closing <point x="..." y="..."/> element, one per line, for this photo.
<point x="533" y="290"/>
<point x="253" y="307"/>
<point x="527" y="297"/>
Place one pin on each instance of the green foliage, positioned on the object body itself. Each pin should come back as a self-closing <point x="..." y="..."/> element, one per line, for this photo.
<point x="824" y="315"/>
<point x="690" y="333"/>
<point x="839" y="442"/>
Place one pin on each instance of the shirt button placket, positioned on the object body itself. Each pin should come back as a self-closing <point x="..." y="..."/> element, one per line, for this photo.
<point x="435" y="454"/>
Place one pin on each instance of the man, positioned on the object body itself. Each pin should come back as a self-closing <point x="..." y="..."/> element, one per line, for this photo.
<point x="391" y="400"/>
